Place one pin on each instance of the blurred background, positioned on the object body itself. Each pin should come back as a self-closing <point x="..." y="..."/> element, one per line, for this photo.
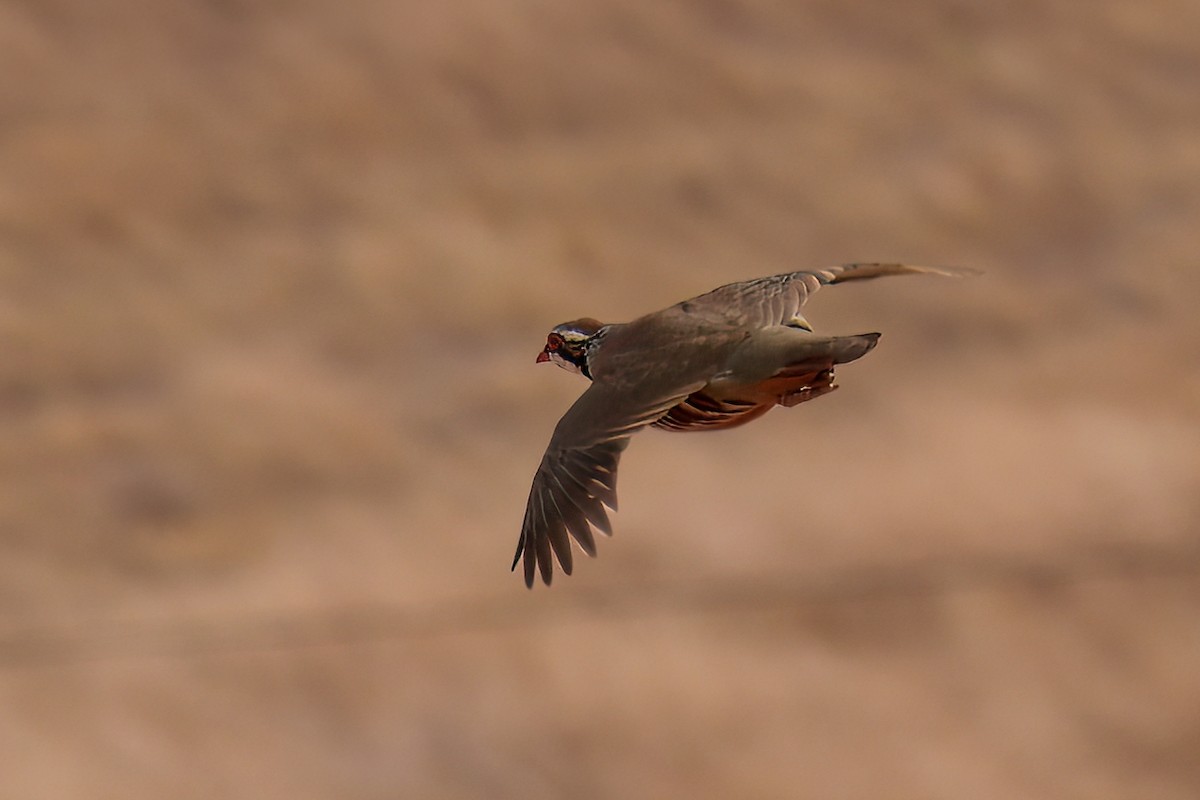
<point x="272" y="280"/>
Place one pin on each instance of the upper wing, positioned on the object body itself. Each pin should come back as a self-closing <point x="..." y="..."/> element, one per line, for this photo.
<point x="777" y="300"/>
<point x="578" y="474"/>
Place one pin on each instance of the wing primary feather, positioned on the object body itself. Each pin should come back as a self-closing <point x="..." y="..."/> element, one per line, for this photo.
<point x="537" y="523"/>
<point x="604" y="490"/>
<point x="520" y="542"/>
<point x="558" y="534"/>
<point x="583" y="535"/>
<point x="590" y="505"/>
<point x="597" y="516"/>
<point x="530" y="560"/>
<point x="854" y="272"/>
<point x="575" y="518"/>
<point x="545" y="563"/>
<point x="541" y="535"/>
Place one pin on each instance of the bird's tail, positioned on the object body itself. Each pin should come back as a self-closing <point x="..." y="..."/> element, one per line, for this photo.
<point x="822" y="351"/>
<point x="851" y="348"/>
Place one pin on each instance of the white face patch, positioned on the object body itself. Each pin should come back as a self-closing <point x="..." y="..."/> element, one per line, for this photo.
<point x="564" y="363"/>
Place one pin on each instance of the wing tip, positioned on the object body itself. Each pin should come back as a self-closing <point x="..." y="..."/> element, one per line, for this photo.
<point x="538" y="564"/>
<point x="874" y="269"/>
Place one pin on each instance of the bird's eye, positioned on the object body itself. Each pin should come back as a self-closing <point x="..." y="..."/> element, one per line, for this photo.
<point x="554" y="341"/>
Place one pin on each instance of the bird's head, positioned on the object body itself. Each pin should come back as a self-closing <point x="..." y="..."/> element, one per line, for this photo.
<point x="568" y="345"/>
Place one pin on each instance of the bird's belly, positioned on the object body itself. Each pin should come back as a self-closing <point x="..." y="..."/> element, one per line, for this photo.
<point x="725" y="404"/>
<point x="703" y="412"/>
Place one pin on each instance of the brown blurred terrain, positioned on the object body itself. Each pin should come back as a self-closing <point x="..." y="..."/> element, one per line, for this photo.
<point x="272" y="278"/>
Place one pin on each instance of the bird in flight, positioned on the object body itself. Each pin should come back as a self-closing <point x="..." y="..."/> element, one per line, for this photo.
<point x="711" y="362"/>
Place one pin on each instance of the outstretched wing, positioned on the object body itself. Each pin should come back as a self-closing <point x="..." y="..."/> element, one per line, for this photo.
<point x="777" y="300"/>
<point x="578" y="474"/>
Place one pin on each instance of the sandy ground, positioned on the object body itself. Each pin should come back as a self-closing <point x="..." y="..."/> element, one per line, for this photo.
<point x="272" y="278"/>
